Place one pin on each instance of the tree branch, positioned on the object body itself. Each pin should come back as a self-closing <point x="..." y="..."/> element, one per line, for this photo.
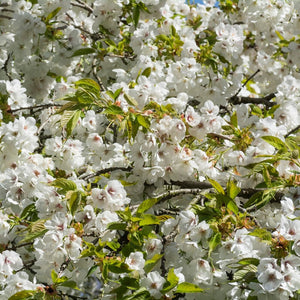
<point x="108" y="170"/>
<point x="33" y="107"/>
<point x="94" y="66"/>
<point x="261" y="100"/>
<point x="245" y="83"/>
<point x="83" y="5"/>
<point x="292" y="131"/>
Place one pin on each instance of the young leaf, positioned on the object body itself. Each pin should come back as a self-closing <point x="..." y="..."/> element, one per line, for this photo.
<point x="130" y="283"/>
<point x="64" y="184"/>
<point x="232" y="189"/>
<point x="262" y="233"/>
<point x="74" y="201"/>
<point x="73" y="122"/>
<point x="216" y="186"/>
<point x="130" y="100"/>
<point x="186" y="287"/>
<point x="147" y="72"/>
<point x="66" y="117"/>
<point x="136" y="15"/>
<point x="146" y="204"/>
<point x="234" y="120"/>
<point x="83" y="51"/>
<point x="275" y="142"/>
<point x="26" y="294"/>
<point x="249" y="261"/>
<point x="143" y="121"/>
<point x="214" y="242"/>
<point x="113" y="110"/>
<point x="172" y="281"/>
<point x="150" y="264"/>
<point x="52" y="14"/>
<point x="54" y="276"/>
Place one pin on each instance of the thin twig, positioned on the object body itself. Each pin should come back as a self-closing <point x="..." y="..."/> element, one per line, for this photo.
<point x="108" y="170"/>
<point x="82" y="5"/>
<point x="245" y="83"/>
<point x="33" y="107"/>
<point x="292" y="131"/>
<point x="94" y="66"/>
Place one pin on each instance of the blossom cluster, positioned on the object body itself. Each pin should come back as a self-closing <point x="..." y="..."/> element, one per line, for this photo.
<point x="149" y="149"/>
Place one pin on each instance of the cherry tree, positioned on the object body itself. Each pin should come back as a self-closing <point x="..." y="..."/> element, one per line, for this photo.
<point x="149" y="149"/>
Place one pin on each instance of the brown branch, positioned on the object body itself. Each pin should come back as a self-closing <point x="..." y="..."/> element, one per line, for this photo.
<point x="33" y="107"/>
<point x="83" y="5"/>
<point x="192" y="184"/>
<point x="173" y="193"/>
<point x="108" y="170"/>
<point x="292" y="131"/>
<point x="261" y="100"/>
<point x="245" y="83"/>
<point x="94" y="66"/>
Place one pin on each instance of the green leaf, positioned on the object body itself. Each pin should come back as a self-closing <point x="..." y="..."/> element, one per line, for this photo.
<point x="22" y="295"/>
<point x="149" y="219"/>
<point x="83" y="51"/>
<point x="52" y="14"/>
<point x="117" y="267"/>
<point x="70" y="283"/>
<point x="150" y="264"/>
<point x="186" y="287"/>
<point x="147" y="72"/>
<point x="143" y="121"/>
<point x="130" y="100"/>
<point x="86" y="96"/>
<point x="66" y="117"/>
<point x="113" y="110"/>
<point x="232" y="189"/>
<point x="140" y="294"/>
<point x="262" y="233"/>
<point x="92" y="270"/>
<point x="146" y="204"/>
<point x="34" y="230"/>
<point x="64" y="184"/>
<point x="260" y="199"/>
<point x="234" y="120"/>
<point x="275" y="142"/>
<point x="172" y="281"/>
<point x="73" y="122"/>
<point x="117" y="226"/>
<point x="89" y="84"/>
<point x="74" y="201"/>
<point x="136" y="15"/>
<point x="113" y="245"/>
<point x="214" y="241"/>
<point x="216" y="186"/>
<point x="231" y="205"/>
<point x="130" y="283"/>
<point x="249" y="261"/>
<point x="117" y="93"/>
<point x="54" y="276"/>
<point x="244" y="274"/>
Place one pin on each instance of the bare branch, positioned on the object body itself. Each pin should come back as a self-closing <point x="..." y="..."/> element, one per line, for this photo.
<point x="192" y="184"/>
<point x="261" y="100"/>
<point x="245" y="83"/>
<point x="83" y="5"/>
<point x="292" y="131"/>
<point x="94" y="66"/>
<point x="108" y="170"/>
<point x="43" y="106"/>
